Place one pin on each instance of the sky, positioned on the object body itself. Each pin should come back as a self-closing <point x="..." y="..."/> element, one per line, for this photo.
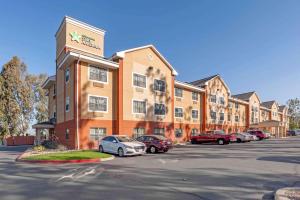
<point x="253" y="44"/>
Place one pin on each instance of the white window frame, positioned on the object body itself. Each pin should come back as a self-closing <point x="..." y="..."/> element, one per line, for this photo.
<point x="136" y="135"/>
<point x="67" y="100"/>
<point x="67" y="70"/>
<point x="210" y="98"/>
<point x="100" y="111"/>
<point x="197" y="113"/>
<point x="181" y="92"/>
<point x="175" y="112"/>
<point x="133" y="73"/>
<point x="181" y="130"/>
<point x="139" y="101"/>
<point x="235" y="118"/>
<point x="95" y="134"/>
<point x="223" y="116"/>
<point x="215" y="115"/>
<point x="159" y="90"/>
<point x="154" y="109"/>
<point x="221" y="97"/>
<point x="193" y="96"/>
<point x="95" y="66"/>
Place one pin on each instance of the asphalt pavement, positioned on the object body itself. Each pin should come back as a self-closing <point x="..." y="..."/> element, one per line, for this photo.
<point x="237" y="171"/>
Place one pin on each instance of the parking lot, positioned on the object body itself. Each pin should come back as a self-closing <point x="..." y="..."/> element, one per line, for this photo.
<point x="236" y="171"/>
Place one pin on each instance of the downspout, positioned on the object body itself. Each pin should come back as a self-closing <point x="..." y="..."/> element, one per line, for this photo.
<point x="77" y="115"/>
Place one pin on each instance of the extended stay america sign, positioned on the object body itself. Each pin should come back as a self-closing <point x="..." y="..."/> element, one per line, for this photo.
<point x="83" y="39"/>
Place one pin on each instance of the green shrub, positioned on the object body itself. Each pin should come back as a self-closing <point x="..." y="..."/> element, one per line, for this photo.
<point x="39" y="148"/>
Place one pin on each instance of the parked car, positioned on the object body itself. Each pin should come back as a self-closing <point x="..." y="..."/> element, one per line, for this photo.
<point x="215" y="136"/>
<point x="241" y="137"/>
<point x="252" y="137"/>
<point x="155" y="143"/>
<point x="121" y="145"/>
<point x="259" y="134"/>
<point x="293" y="132"/>
<point x="267" y="134"/>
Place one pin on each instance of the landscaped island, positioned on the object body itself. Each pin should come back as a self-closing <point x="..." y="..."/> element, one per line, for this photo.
<point x="71" y="155"/>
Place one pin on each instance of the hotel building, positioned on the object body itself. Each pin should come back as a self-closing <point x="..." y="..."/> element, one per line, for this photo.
<point x="135" y="92"/>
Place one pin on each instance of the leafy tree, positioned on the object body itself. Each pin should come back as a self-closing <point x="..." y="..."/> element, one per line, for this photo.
<point x="39" y="100"/>
<point x="294" y="112"/>
<point x="15" y="98"/>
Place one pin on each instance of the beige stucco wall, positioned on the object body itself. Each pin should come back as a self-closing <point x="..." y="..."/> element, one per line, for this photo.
<point x="216" y="87"/>
<point x="233" y="111"/>
<point x="64" y="39"/>
<point x="188" y="104"/>
<point x="254" y="101"/>
<point x="89" y="87"/>
<point x="264" y="115"/>
<point x="140" y="62"/>
<point x="274" y="114"/>
<point x="51" y="101"/>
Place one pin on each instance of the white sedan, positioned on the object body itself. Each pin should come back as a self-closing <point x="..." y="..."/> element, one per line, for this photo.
<point x="121" y="145"/>
<point x="242" y="137"/>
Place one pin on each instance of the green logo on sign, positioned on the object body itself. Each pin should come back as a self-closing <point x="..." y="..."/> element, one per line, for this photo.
<point x="75" y="36"/>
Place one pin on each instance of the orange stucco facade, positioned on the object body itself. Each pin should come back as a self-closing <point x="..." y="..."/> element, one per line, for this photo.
<point x="133" y="92"/>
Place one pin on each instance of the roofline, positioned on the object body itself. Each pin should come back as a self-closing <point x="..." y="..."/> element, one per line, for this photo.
<point x="188" y="86"/>
<point x="121" y="54"/>
<point x="50" y="78"/>
<point x="238" y="100"/>
<point x="254" y="92"/>
<point x="105" y="62"/>
<point x="80" y="24"/>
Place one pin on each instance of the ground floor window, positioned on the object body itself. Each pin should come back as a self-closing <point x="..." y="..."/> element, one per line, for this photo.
<point x="194" y="131"/>
<point x="137" y="132"/>
<point x="67" y="134"/>
<point x="159" y="131"/>
<point x="178" y="132"/>
<point x="97" y="133"/>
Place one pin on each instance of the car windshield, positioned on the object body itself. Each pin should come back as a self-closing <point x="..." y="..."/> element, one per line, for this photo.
<point x="124" y="139"/>
<point x="160" y="137"/>
<point x="220" y="132"/>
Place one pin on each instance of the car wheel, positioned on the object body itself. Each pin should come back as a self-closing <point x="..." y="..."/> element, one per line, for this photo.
<point x="166" y="150"/>
<point x="101" y="150"/>
<point x="120" y="152"/>
<point x="194" y="142"/>
<point x="238" y="140"/>
<point x="221" y="142"/>
<point x="153" y="149"/>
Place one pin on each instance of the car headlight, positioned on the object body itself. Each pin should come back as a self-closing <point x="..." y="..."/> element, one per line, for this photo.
<point x="128" y="147"/>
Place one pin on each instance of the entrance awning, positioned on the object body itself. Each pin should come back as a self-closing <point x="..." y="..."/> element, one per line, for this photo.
<point x="269" y="123"/>
<point x="43" y="125"/>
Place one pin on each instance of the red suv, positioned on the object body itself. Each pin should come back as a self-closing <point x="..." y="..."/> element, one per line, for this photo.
<point x="259" y="134"/>
<point x="155" y="143"/>
<point x="215" y="136"/>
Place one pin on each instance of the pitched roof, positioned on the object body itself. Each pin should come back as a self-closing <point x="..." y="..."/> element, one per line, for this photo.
<point x="122" y="54"/>
<point x="281" y="108"/>
<point x="49" y="81"/>
<point x="244" y="96"/>
<point x="201" y="82"/>
<point x="268" y="104"/>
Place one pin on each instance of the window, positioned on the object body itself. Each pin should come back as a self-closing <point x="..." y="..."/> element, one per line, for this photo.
<point x="194" y="131"/>
<point x="137" y="132"/>
<point x="236" y="106"/>
<point x="159" y="109"/>
<point x="159" y="85"/>
<point x="178" y="112"/>
<point x="139" y="106"/>
<point x="178" y="92"/>
<point x="229" y="117"/>
<point x="97" y="133"/>
<point x="67" y="104"/>
<point x="67" y="134"/>
<point x="213" y="115"/>
<point x="195" y="114"/>
<point x="54" y="90"/>
<point x="221" y="116"/>
<point x="229" y="105"/>
<point x="159" y="131"/>
<point x="54" y="111"/>
<point x="139" y="80"/>
<point x="97" y="74"/>
<point x="213" y="98"/>
<point x="178" y="132"/>
<point x="237" y="119"/>
<point x="67" y="75"/>
<point x="222" y="100"/>
<point x="97" y="104"/>
<point x="194" y="96"/>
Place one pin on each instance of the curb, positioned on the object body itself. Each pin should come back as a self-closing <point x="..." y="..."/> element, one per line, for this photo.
<point x="288" y="193"/>
<point x="93" y="160"/>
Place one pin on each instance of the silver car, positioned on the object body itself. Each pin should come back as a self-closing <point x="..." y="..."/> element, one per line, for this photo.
<point x="121" y="145"/>
<point x="242" y="137"/>
<point x="252" y="137"/>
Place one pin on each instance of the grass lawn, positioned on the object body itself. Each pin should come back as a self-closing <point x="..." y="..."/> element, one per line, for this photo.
<point x="74" y="155"/>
